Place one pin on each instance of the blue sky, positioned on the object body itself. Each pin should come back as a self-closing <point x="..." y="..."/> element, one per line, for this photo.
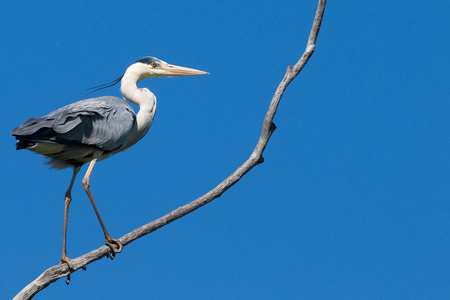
<point x="352" y="201"/>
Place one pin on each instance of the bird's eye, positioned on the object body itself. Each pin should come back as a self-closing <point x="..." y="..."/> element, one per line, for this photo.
<point x="153" y="64"/>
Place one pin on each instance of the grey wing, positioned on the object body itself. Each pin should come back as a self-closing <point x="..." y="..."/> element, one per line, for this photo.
<point x="104" y="122"/>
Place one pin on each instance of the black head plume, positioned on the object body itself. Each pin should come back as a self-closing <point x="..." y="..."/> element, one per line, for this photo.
<point x="104" y="86"/>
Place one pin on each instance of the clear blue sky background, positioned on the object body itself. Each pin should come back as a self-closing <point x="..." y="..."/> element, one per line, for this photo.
<point x="352" y="201"/>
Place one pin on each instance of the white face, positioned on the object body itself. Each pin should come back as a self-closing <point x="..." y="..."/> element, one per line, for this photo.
<point x="155" y="69"/>
<point x="159" y="69"/>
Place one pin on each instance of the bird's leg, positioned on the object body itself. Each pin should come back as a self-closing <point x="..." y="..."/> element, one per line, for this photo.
<point x="68" y="198"/>
<point x="115" y="245"/>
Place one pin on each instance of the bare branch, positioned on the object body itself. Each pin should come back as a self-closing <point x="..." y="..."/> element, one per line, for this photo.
<point x="54" y="273"/>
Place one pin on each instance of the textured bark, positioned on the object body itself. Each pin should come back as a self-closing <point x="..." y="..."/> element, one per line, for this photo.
<point x="54" y="273"/>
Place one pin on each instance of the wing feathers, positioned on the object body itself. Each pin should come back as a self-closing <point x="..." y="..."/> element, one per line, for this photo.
<point x="104" y="122"/>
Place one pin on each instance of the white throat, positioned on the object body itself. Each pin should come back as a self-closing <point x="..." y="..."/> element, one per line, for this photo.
<point x="140" y="96"/>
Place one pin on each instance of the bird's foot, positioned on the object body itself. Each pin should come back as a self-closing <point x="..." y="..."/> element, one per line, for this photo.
<point x="66" y="260"/>
<point x="114" y="245"/>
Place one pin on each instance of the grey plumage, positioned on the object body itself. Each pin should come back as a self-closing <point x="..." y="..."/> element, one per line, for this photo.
<point x="70" y="135"/>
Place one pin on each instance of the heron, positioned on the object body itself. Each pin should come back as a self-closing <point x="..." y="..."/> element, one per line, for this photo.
<point x="93" y="129"/>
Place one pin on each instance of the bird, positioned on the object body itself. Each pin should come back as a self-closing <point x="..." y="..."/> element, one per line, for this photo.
<point x="94" y="129"/>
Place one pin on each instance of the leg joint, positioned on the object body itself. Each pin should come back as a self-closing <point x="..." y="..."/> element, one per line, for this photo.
<point x="68" y="198"/>
<point x="85" y="183"/>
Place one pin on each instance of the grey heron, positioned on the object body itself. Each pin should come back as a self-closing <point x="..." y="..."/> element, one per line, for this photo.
<point x="94" y="129"/>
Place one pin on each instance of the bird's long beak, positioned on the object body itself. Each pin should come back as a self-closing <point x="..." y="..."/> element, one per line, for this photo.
<point x="177" y="71"/>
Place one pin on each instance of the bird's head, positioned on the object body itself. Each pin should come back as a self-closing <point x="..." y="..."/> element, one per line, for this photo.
<point x="151" y="67"/>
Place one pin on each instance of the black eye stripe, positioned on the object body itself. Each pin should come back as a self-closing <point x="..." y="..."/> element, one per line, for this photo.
<point x="148" y="60"/>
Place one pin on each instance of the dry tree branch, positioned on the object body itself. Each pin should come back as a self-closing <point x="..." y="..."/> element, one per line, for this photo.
<point x="54" y="273"/>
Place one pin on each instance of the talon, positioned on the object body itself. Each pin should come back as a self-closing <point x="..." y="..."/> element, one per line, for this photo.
<point x="114" y="245"/>
<point x="66" y="260"/>
<point x="84" y="268"/>
<point x="68" y="279"/>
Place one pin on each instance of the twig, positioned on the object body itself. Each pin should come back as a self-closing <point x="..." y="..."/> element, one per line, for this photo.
<point x="54" y="273"/>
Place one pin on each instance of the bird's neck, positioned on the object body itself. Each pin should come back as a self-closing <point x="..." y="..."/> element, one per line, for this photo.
<point x="129" y="88"/>
<point x="140" y="96"/>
